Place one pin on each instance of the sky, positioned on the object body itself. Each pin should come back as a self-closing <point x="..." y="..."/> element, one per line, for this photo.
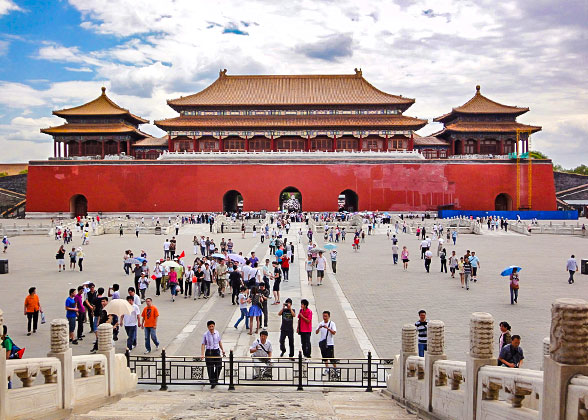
<point x="531" y="53"/>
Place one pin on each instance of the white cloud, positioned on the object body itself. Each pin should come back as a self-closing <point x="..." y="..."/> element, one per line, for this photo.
<point x="7" y="6"/>
<point x="79" y="69"/>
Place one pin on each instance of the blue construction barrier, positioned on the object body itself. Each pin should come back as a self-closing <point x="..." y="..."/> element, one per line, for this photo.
<point x="512" y="215"/>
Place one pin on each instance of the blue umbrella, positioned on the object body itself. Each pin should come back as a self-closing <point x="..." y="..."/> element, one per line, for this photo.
<point x="330" y="246"/>
<point x="141" y="259"/>
<point x="508" y="271"/>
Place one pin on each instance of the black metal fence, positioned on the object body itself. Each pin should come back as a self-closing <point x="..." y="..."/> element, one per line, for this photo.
<point x="166" y="370"/>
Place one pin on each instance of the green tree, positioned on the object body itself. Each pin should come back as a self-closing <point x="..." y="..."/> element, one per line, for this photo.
<point x="535" y="154"/>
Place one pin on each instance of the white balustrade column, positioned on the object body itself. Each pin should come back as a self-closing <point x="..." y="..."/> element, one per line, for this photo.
<point x="106" y="348"/>
<point x="480" y="354"/>
<point x="60" y="349"/>
<point x="435" y="351"/>
<point x="409" y="348"/>
<point x="568" y="354"/>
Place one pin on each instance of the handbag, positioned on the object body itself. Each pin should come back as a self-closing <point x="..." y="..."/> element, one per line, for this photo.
<point x="323" y="343"/>
<point x="43" y="318"/>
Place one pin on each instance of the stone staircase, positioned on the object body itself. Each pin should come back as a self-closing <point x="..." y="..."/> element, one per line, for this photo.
<point x="251" y="403"/>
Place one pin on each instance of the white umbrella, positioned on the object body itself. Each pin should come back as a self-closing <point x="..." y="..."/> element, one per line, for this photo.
<point x="171" y="264"/>
<point x="237" y="257"/>
<point x="118" y="307"/>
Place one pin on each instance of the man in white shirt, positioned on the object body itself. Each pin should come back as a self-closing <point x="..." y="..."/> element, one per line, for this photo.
<point x="327" y="330"/>
<point x="166" y="245"/>
<point x="572" y="267"/>
<point x="424" y="247"/>
<point x="321" y="265"/>
<point x="261" y="351"/>
<point x="130" y="323"/>
<point x="211" y="350"/>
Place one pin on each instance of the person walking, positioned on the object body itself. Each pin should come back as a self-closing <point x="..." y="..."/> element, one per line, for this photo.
<point x="404" y="257"/>
<point x="443" y="258"/>
<point x="309" y="265"/>
<point x="505" y="337"/>
<point x="242" y="299"/>
<point x="235" y="283"/>
<point x="197" y="280"/>
<point x="32" y="307"/>
<point x="277" y="276"/>
<point x="514" y="286"/>
<point x="572" y="268"/>
<point x="211" y="351"/>
<point x="467" y="271"/>
<point x="453" y="262"/>
<point x="188" y="282"/>
<point x="173" y="283"/>
<point x="80" y="254"/>
<point x="287" y="327"/>
<point x="5" y="243"/>
<point x="334" y="260"/>
<point x="475" y="262"/>
<point x="327" y="330"/>
<point x="60" y="257"/>
<point x="71" y="315"/>
<point x="72" y="259"/>
<point x="305" y="327"/>
<point x="149" y="318"/>
<point x="158" y="273"/>
<point x="421" y="326"/>
<point x="395" y="253"/>
<point x="81" y="315"/>
<point x="321" y="265"/>
<point x="428" y="258"/>
<point x="131" y="322"/>
<point x="255" y="311"/>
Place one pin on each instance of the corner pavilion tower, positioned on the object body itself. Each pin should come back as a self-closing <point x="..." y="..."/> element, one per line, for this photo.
<point x="482" y="126"/>
<point x="290" y="113"/>
<point x="97" y="128"/>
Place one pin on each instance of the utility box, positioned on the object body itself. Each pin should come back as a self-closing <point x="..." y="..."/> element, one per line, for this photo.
<point x="3" y="266"/>
<point x="583" y="267"/>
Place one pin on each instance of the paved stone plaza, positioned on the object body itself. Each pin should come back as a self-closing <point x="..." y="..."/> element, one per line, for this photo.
<point x="369" y="298"/>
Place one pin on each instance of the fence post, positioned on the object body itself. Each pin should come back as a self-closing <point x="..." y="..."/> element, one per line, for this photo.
<point x="128" y="357"/>
<point x="300" y="372"/>
<point x="163" y="386"/>
<point x="231" y="383"/>
<point x="369" y="384"/>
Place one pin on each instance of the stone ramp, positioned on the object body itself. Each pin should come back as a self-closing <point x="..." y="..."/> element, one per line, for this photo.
<point x="252" y="403"/>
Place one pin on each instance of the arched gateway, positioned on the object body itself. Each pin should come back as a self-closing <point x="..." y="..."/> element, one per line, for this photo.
<point x="348" y="201"/>
<point x="503" y="202"/>
<point x="78" y="205"/>
<point x="232" y="201"/>
<point x="291" y="199"/>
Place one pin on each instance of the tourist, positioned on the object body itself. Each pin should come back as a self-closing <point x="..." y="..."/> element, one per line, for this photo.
<point x="287" y="327"/>
<point x="261" y="351"/>
<point x="424" y="246"/>
<point x="32" y="307"/>
<point x="173" y="283"/>
<point x="334" y="260"/>
<point x="309" y="265"/>
<point x="11" y="349"/>
<point x="572" y="267"/>
<point x="327" y="330"/>
<point x="443" y="258"/>
<point x="235" y="283"/>
<point x="264" y="297"/>
<point x="321" y="265"/>
<point x="71" y="314"/>
<point x="207" y="281"/>
<point x="505" y="337"/>
<point x="131" y="322"/>
<point x="149" y="324"/>
<point x="120" y="230"/>
<point x="133" y="294"/>
<point x="421" y="326"/>
<point x="467" y="270"/>
<point x="511" y="354"/>
<point x="158" y="274"/>
<point x="453" y="263"/>
<point x="97" y="304"/>
<point x="277" y="276"/>
<point x="305" y="327"/>
<point x="89" y="303"/>
<point x="404" y="257"/>
<point x="198" y="281"/>
<point x="514" y="286"/>
<point x="72" y="259"/>
<point x="188" y="282"/>
<point x="453" y="235"/>
<point x="60" y="257"/>
<point x="475" y="262"/>
<point x="5" y="243"/>
<point x="255" y="311"/>
<point x="137" y="271"/>
<point x="81" y="315"/>
<point x="166" y="246"/>
<point x="80" y="255"/>
<point x="211" y="350"/>
<point x="143" y="285"/>
<point x="395" y="253"/>
<point x="114" y="291"/>
<point x="242" y="299"/>
<point x="428" y="258"/>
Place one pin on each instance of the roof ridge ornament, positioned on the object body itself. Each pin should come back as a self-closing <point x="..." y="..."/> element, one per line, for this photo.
<point x="222" y="73"/>
<point x="103" y="90"/>
<point x="477" y="89"/>
<point x="358" y="72"/>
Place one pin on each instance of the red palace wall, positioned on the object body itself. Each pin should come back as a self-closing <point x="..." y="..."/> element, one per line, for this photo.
<point x="183" y="186"/>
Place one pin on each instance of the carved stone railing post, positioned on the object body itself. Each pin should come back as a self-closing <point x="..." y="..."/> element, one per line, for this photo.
<point x="435" y="351"/>
<point x="480" y="354"/>
<point x="106" y="348"/>
<point x="60" y="350"/>
<point x="545" y="350"/>
<point x="3" y="379"/>
<point x="409" y="348"/>
<point x="568" y="348"/>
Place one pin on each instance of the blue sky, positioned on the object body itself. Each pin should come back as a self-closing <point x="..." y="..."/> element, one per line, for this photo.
<point x="55" y="54"/>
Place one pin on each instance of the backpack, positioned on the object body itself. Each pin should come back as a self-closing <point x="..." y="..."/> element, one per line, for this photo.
<point x="16" y="352"/>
